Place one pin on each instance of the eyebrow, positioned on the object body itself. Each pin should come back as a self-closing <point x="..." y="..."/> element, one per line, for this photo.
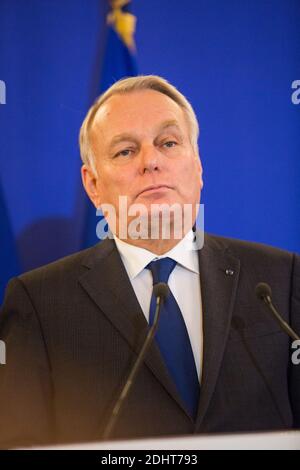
<point x="121" y="138"/>
<point x="130" y="137"/>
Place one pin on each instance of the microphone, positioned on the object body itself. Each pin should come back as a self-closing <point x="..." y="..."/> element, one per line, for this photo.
<point x="264" y="293"/>
<point x="161" y="291"/>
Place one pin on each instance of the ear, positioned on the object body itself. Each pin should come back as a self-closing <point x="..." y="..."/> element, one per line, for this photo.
<point x="89" y="181"/>
<point x="199" y="169"/>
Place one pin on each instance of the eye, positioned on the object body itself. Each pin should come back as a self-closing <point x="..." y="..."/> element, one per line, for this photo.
<point x="124" y="153"/>
<point x="170" y="144"/>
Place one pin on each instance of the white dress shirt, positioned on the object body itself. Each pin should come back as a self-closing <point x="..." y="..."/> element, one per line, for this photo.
<point x="184" y="283"/>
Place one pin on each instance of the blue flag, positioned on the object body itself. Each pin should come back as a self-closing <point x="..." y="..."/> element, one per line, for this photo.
<point x="119" y="61"/>
<point x="8" y="256"/>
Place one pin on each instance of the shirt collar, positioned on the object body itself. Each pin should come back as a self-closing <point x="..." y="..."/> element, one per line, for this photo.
<point x="136" y="259"/>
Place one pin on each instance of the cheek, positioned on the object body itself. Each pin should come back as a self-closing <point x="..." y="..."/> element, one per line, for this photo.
<point x="115" y="183"/>
<point x="190" y="176"/>
<point x="190" y="185"/>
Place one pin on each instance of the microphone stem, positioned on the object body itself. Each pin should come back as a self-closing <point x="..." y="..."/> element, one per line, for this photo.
<point x="150" y="335"/>
<point x="267" y="300"/>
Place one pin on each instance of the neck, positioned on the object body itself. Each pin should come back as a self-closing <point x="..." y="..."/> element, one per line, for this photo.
<point x="157" y="238"/>
<point x="159" y="247"/>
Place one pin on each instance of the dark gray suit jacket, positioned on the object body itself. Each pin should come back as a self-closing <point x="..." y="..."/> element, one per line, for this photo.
<point x="74" y="328"/>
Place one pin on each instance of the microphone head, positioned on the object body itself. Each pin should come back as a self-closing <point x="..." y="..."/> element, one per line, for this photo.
<point x="161" y="290"/>
<point x="263" y="290"/>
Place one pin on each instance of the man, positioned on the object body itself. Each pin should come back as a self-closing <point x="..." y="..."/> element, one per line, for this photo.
<point x="74" y="328"/>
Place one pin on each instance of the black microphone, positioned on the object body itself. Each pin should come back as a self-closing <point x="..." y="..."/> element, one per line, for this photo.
<point x="263" y="292"/>
<point x="161" y="291"/>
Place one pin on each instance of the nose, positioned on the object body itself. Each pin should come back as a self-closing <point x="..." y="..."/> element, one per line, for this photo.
<point x="149" y="159"/>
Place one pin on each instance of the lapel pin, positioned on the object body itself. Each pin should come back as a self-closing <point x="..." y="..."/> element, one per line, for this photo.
<point x="229" y="272"/>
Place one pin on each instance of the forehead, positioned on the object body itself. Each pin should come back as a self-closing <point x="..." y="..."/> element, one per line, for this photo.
<point x="137" y="110"/>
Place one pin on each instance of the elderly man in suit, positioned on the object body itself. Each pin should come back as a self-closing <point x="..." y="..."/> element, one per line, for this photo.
<point x="74" y="328"/>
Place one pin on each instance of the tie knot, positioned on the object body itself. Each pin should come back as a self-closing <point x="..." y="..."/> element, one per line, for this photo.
<point x="161" y="269"/>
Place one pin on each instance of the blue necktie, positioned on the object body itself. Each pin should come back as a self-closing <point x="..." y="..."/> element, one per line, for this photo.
<point x="173" y="339"/>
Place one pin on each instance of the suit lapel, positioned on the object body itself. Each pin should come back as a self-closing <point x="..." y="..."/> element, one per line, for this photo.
<point x="219" y="273"/>
<point x="108" y="285"/>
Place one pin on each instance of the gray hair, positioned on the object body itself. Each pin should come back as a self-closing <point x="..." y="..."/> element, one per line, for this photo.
<point x="127" y="85"/>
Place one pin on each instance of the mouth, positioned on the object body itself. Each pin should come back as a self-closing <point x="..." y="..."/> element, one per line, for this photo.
<point x="154" y="188"/>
